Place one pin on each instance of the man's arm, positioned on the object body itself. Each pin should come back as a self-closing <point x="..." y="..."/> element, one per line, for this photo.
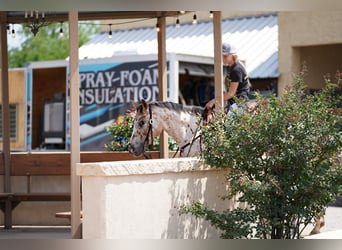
<point x="226" y="96"/>
<point x="231" y="92"/>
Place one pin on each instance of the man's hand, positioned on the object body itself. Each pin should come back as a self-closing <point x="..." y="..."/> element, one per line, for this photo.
<point x="210" y="104"/>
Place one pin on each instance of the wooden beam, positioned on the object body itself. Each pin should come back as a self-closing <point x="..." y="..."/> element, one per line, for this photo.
<point x="76" y="230"/>
<point x="218" y="66"/>
<point x="6" y="147"/>
<point x="58" y="163"/>
<point x="19" y="16"/>
<point x="162" y="66"/>
<point x="125" y="15"/>
<point x="162" y="78"/>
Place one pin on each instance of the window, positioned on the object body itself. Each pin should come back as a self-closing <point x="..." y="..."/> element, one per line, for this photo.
<point x="13" y="121"/>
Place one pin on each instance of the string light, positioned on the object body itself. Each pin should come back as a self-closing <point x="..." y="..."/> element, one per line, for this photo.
<point x="194" y="19"/>
<point x="13" y="31"/>
<point x="211" y="14"/>
<point x="157" y="25"/>
<point x="177" y="23"/>
<point x="34" y="16"/>
<point x="110" y="31"/>
<point x="61" y="33"/>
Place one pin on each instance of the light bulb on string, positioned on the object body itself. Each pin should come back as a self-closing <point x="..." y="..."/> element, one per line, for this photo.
<point x="157" y="26"/>
<point x="110" y="34"/>
<point x="13" y="31"/>
<point x="211" y="14"/>
<point x="177" y="23"/>
<point x="61" y="33"/>
<point x="194" y="19"/>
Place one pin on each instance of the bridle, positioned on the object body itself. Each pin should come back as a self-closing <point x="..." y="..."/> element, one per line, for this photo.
<point x="149" y="132"/>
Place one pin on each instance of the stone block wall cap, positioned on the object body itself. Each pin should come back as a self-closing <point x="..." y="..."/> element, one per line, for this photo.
<point x="141" y="167"/>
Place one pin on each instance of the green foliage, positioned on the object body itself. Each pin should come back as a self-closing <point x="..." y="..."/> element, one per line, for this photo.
<point x="283" y="161"/>
<point x="121" y="131"/>
<point x="233" y="224"/>
<point x="47" y="44"/>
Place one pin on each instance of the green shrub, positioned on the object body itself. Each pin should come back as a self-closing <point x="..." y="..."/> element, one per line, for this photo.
<point x="283" y="157"/>
<point x="121" y="131"/>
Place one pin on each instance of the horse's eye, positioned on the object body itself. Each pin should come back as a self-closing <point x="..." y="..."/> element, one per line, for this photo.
<point x="141" y="123"/>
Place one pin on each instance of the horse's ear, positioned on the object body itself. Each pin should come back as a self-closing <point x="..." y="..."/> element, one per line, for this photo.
<point x="144" y="104"/>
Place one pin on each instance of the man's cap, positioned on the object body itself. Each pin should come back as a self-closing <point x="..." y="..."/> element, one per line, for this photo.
<point x="228" y="48"/>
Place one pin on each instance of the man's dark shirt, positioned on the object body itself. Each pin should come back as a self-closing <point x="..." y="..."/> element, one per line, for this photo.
<point x="238" y="74"/>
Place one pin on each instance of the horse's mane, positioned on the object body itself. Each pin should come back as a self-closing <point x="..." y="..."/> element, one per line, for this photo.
<point x="179" y="107"/>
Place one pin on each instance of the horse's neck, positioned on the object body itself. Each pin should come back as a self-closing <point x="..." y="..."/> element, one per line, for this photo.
<point x="181" y="126"/>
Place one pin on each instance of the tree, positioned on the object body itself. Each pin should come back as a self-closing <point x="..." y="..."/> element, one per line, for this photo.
<point x="47" y="44"/>
<point x="284" y="163"/>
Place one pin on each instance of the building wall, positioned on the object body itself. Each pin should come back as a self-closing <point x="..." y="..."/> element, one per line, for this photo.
<point x="322" y="62"/>
<point x="313" y="37"/>
<point x="16" y="80"/>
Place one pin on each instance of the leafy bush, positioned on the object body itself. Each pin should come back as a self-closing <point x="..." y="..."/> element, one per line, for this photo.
<point x="283" y="157"/>
<point x="121" y="131"/>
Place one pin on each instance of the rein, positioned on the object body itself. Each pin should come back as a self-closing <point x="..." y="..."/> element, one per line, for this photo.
<point x="204" y="119"/>
<point x="149" y="132"/>
<point x="181" y="150"/>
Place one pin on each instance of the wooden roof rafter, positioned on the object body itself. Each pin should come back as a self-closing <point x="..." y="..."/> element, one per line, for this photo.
<point x="18" y="17"/>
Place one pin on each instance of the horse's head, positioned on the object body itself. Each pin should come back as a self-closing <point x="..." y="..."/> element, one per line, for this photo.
<point x="141" y="129"/>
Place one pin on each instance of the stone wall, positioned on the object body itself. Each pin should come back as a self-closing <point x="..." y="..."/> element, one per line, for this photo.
<point x="140" y="199"/>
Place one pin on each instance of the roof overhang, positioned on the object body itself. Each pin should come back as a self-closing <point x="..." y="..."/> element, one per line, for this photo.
<point x="56" y="16"/>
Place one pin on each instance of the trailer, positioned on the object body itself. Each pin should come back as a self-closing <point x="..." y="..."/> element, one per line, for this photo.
<point x="108" y="88"/>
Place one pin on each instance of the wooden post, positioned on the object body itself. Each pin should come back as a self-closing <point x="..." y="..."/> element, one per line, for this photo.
<point x="76" y="227"/>
<point x="218" y="66"/>
<point x="6" y="146"/>
<point x="162" y="77"/>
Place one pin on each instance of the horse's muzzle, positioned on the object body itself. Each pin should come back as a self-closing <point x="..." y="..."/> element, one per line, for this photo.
<point x="135" y="151"/>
